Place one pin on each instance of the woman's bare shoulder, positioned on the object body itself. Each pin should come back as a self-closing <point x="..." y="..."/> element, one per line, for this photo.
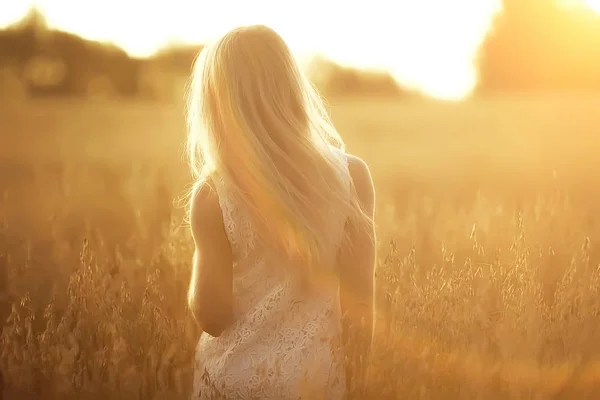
<point x="205" y="212"/>
<point x="357" y="165"/>
<point x="362" y="179"/>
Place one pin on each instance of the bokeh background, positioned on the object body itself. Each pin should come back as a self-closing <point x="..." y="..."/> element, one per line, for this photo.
<point x="480" y="122"/>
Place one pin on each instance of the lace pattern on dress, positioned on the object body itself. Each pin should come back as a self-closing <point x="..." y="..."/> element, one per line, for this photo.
<point x="284" y="344"/>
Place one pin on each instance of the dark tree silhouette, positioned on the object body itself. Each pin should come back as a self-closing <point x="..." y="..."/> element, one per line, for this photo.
<point x="334" y="80"/>
<point x="51" y="62"/>
<point x="178" y="58"/>
<point x="55" y="63"/>
<point x="541" y="46"/>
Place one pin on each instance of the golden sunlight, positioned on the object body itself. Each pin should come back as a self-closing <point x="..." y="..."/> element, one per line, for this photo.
<point x="593" y="4"/>
<point x="428" y="45"/>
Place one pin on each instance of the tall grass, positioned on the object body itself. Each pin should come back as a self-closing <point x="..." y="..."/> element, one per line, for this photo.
<point x="487" y="284"/>
<point x="482" y="298"/>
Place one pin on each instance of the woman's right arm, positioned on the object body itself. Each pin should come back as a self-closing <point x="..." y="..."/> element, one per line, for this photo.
<point x="357" y="270"/>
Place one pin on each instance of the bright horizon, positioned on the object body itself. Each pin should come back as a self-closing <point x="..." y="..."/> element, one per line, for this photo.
<point x="427" y="45"/>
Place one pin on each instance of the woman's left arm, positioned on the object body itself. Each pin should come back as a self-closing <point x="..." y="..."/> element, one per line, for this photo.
<point x="210" y="295"/>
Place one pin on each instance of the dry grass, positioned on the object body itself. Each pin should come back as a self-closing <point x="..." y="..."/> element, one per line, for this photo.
<point x="488" y="282"/>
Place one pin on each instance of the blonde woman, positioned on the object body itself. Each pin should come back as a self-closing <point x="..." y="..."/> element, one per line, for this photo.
<point x="282" y="221"/>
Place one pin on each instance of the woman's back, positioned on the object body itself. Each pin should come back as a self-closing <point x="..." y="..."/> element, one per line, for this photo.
<point x="285" y="338"/>
<point x="275" y="207"/>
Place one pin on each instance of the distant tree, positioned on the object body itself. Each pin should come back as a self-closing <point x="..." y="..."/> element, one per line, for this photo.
<point x="33" y="19"/>
<point x="334" y="80"/>
<point x="19" y="39"/>
<point x="541" y="45"/>
<point x="56" y="63"/>
<point x="178" y="57"/>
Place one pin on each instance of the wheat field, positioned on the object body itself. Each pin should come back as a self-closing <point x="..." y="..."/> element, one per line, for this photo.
<point x="488" y="280"/>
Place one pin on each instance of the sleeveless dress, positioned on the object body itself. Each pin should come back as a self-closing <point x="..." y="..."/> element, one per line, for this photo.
<point x="284" y="344"/>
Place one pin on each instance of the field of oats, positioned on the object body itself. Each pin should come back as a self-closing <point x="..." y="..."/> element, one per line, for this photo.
<point x="488" y="283"/>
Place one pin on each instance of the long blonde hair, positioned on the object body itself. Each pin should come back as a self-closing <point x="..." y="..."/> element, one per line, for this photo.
<point x="258" y="125"/>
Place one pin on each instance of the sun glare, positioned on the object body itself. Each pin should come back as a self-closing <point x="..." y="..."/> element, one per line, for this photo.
<point x="593" y="4"/>
<point x="427" y="45"/>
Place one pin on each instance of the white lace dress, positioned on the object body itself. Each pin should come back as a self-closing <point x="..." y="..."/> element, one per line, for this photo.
<point x="284" y="344"/>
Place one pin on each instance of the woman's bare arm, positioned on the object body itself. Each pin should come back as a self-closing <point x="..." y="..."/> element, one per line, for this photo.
<point x="210" y="295"/>
<point x="357" y="264"/>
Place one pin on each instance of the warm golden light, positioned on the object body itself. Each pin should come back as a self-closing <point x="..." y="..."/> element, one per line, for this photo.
<point x="487" y="223"/>
<point x="428" y="45"/>
<point x="593" y="4"/>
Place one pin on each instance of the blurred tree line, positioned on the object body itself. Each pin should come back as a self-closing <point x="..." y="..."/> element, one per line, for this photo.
<point x="37" y="61"/>
<point x="541" y="45"/>
<point x="534" y="45"/>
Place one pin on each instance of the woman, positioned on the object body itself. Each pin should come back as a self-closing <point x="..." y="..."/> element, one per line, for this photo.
<point x="282" y="221"/>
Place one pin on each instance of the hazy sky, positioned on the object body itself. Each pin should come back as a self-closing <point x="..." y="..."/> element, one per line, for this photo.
<point x="426" y="44"/>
